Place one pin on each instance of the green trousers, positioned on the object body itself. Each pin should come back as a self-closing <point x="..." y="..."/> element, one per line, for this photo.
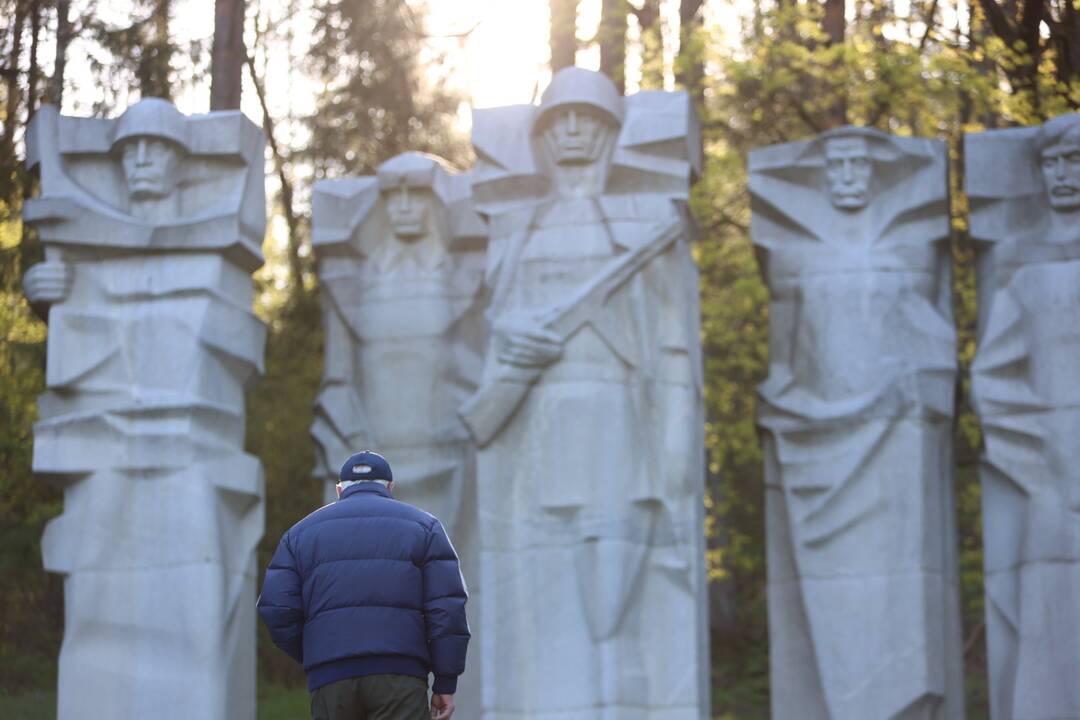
<point x="373" y="697"/>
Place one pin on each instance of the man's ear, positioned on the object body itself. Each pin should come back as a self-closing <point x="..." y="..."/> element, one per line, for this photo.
<point x="390" y="486"/>
<point x="338" y="488"/>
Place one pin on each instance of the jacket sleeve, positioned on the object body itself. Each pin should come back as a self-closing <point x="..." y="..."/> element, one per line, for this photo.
<point x="281" y="605"/>
<point x="444" y="611"/>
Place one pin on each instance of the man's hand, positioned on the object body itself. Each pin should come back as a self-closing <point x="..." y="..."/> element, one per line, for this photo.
<point x="442" y="706"/>
<point x="522" y="342"/>
<point x="47" y="283"/>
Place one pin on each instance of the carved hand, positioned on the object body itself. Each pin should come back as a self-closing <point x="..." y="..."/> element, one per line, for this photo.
<point x="47" y="283"/>
<point x="522" y="342"/>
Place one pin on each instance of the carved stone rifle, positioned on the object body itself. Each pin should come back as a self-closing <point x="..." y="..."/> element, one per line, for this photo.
<point x="495" y="402"/>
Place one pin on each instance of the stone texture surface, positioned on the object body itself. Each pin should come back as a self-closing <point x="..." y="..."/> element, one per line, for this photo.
<point x="1024" y="188"/>
<point x="152" y="224"/>
<point x="589" y="415"/>
<point x="401" y="264"/>
<point x="856" y="418"/>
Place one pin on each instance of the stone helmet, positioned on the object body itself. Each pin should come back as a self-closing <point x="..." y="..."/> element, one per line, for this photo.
<point x="574" y="86"/>
<point x="415" y="171"/>
<point x="1058" y="129"/>
<point x="152" y="117"/>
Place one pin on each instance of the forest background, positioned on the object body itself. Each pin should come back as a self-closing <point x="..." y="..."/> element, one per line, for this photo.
<point x="379" y="79"/>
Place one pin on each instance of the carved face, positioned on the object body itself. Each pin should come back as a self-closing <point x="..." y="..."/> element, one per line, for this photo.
<point x="408" y="209"/>
<point x="577" y="136"/>
<point x="151" y="166"/>
<point x="848" y="169"/>
<point x="1061" y="171"/>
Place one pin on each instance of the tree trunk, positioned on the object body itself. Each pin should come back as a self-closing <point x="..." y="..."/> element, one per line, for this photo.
<point x="1033" y="14"/>
<point x="227" y="60"/>
<point x="11" y="110"/>
<point x="55" y="94"/>
<point x="690" y="64"/>
<point x="834" y="25"/>
<point x="612" y="39"/>
<point x="563" y="33"/>
<point x="1018" y="25"/>
<point x="1068" y="61"/>
<point x="292" y="223"/>
<point x="652" y="45"/>
<point x="34" y="70"/>
<point x="154" y="80"/>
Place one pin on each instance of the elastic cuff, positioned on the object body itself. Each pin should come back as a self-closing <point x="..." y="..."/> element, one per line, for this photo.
<point x="444" y="685"/>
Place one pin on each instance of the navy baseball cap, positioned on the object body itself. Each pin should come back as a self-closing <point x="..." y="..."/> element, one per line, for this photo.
<point x="366" y="465"/>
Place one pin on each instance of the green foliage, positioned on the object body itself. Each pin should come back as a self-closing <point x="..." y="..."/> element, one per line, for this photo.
<point x="31" y="706"/>
<point x="740" y="669"/>
<point x="273" y="703"/>
<point x="969" y="506"/>
<point x="1030" y="49"/>
<point x="280" y="703"/>
<point x="31" y="598"/>
<point x="140" y="55"/>
<point x="280" y="413"/>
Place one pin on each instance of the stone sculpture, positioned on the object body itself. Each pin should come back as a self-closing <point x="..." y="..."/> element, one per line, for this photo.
<point x="152" y="224"/>
<point x="857" y="422"/>
<point x="1024" y="188"/>
<point x="401" y="262"/>
<point x="589" y="415"/>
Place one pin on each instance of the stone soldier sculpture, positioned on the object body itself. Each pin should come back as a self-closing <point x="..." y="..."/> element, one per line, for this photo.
<point x="857" y="423"/>
<point x="589" y="415"/>
<point x="152" y="224"/>
<point x="401" y="261"/>
<point x="1024" y="186"/>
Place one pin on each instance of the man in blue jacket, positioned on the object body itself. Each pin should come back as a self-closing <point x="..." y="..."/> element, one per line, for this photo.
<point x="367" y="594"/>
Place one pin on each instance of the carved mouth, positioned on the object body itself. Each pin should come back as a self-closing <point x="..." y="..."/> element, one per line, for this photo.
<point x="143" y="180"/>
<point x="1064" y="191"/>
<point x="407" y="227"/>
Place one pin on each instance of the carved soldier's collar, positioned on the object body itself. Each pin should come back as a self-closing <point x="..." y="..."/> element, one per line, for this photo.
<point x="393" y="254"/>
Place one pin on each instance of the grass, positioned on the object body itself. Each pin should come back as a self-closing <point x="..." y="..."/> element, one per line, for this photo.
<point x="278" y="703"/>
<point x="31" y="706"/>
<point x="275" y="703"/>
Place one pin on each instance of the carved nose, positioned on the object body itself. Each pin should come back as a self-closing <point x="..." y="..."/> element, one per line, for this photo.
<point x="140" y="152"/>
<point x="571" y="123"/>
<point x="849" y="171"/>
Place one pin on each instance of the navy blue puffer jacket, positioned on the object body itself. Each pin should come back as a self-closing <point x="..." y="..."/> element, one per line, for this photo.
<point x="366" y="586"/>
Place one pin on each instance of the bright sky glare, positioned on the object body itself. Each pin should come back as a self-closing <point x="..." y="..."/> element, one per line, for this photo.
<point x="505" y="55"/>
<point x="502" y="61"/>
